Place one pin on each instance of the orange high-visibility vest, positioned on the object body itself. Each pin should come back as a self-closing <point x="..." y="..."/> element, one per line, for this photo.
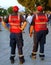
<point x="40" y="22"/>
<point x="15" y="23"/>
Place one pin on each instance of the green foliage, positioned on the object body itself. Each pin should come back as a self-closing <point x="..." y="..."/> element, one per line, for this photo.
<point x="0" y="12"/>
<point x="3" y="12"/>
<point x="10" y="10"/>
<point x="30" y="4"/>
<point x="43" y="3"/>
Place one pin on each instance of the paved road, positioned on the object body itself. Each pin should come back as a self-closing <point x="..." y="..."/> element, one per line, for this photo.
<point x="28" y="43"/>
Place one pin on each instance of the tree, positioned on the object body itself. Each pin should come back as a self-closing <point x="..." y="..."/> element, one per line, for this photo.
<point x="44" y="3"/>
<point x="31" y="4"/>
<point x="0" y="11"/>
<point x="3" y="12"/>
<point x="10" y="11"/>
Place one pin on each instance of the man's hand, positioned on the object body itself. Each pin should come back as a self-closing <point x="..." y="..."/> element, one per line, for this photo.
<point x="31" y="30"/>
<point x="21" y="29"/>
<point x="30" y="34"/>
<point x="23" y="26"/>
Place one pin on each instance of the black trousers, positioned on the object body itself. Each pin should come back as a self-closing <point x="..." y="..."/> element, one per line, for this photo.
<point x="39" y="39"/>
<point x="16" y="39"/>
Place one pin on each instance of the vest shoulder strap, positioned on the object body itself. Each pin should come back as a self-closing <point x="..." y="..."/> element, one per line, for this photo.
<point x="46" y="16"/>
<point x="36" y="16"/>
<point x="9" y="17"/>
<point x="18" y="16"/>
<point x="14" y="15"/>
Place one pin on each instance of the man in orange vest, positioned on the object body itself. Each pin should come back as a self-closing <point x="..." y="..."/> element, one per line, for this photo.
<point x="15" y="22"/>
<point x="39" y="25"/>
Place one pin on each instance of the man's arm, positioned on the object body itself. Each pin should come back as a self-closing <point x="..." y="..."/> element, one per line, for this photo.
<point x="4" y="24"/>
<point x="31" y="27"/>
<point x="23" y="26"/>
<point x="24" y="23"/>
<point x="31" y="30"/>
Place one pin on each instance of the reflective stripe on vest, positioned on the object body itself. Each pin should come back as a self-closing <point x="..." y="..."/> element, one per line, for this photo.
<point x="40" y="22"/>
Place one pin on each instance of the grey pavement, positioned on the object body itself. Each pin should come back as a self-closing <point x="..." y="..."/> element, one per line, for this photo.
<point x="27" y="49"/>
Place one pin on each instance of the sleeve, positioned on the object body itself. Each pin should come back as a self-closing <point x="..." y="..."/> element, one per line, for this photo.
<point x="49" y="17"/>
<point x="33" y="22"/>
<point x="22" y="18"/>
